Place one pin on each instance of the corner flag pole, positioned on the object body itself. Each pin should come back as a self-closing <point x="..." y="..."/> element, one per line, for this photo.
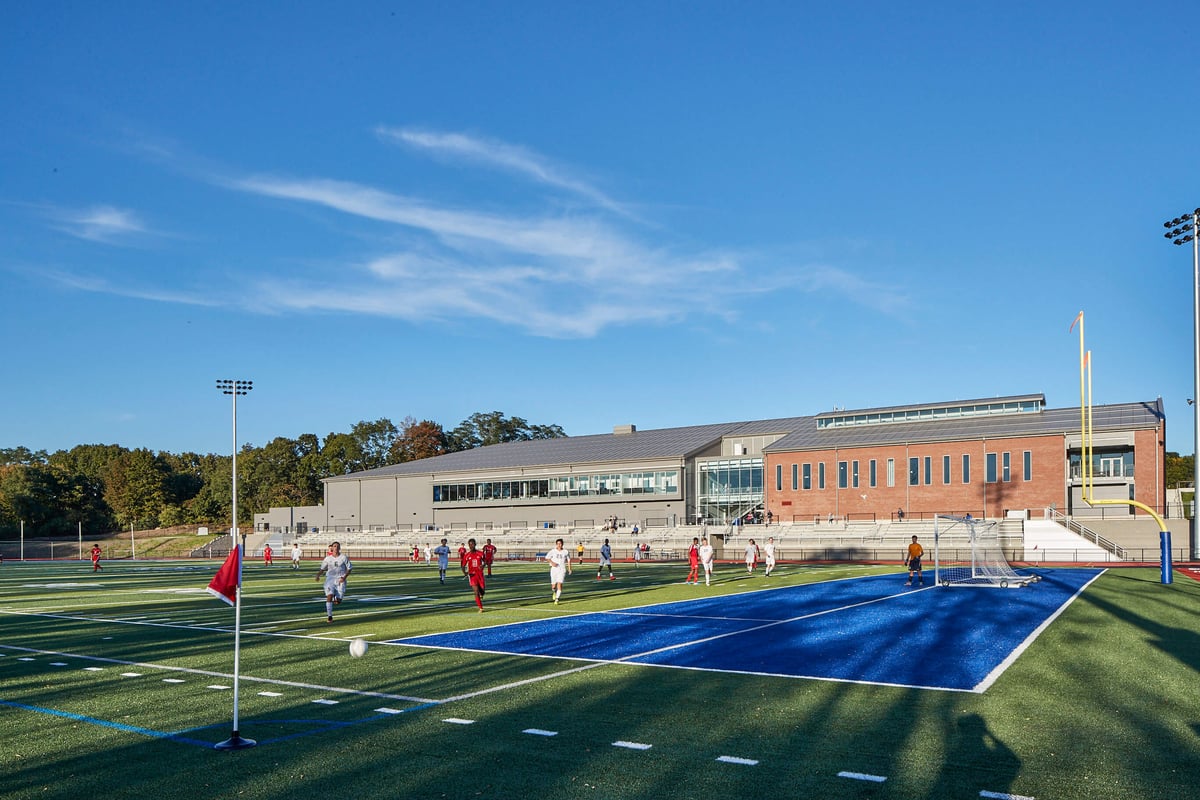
<point x="235" y="740"/>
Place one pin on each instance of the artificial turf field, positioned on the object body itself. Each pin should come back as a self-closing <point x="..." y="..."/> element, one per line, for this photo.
<point x="110" y="687"/>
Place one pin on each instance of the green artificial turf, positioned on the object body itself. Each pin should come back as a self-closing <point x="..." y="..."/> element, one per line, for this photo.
<point x="1104" y="704"/>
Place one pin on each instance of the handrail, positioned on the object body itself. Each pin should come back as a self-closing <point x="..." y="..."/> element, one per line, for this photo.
<point x="1079" y="528"/>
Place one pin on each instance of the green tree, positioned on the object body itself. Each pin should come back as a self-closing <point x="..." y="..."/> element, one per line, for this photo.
<point x="1178" y="469"/>
<point x="482" y="429"/>
<point x="135" y="488"/>
<point x="375" y="441"/>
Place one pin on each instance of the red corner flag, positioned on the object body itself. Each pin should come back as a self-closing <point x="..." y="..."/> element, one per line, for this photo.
<point x="224" y="584"/>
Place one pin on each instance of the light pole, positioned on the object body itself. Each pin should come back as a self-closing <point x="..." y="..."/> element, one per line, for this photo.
<point x="1183" y="229"/>
<point x="236" y="741"/>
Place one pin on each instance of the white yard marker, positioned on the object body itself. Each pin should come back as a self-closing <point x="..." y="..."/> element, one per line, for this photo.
<point x="457" y="721"/>
<point x="540" y="732"/>
<point x="131" y="674"/>
<point x="749" y="762"/>
<point x="24" y="658"/>
<point x="58" y="663"/>
<point x="386" y="710"/>
<point x="269" y="694"/>
<point x="326" y="702"/>
<point x="632" y="745"/>
<point x="862" y="776"/>
<point x="173" y="680"/>
<point x="215" y="686"/>
<point x="1004" y="796"/>
<point x="93" y="669"/>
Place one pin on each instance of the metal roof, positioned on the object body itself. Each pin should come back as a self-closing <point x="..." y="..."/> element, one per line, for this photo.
<point x="801" y="433"/>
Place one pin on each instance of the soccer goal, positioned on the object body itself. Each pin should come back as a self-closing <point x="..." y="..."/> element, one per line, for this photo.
<point x="967" y="552"/>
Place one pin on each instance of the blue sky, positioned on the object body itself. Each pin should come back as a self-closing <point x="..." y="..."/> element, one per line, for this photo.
<point x="583" y="214"/>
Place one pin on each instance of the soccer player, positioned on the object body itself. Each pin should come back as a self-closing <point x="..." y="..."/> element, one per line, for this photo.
<point x="96" y="558"/>
<point x="560" y="562"/>
<point x="336" y="568"/>
<point x="442" y="551"/>
<point x="706" y="558"/>
<point x="751" y="556"/>
<point x="462" y="558"/>
<point x="296" y="555"/>
<point x="769" y="556"/>
<point x="474" y="560"/>
<point x="489" y="555"/>
<point x="579" y="549"/>
<point x="913" y="562"/>
<point x="693" y="562"/>
<point x="267" y="553"/>
<point x="605" y="561"/>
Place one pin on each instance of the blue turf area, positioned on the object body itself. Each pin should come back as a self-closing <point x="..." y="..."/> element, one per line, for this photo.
<point x="871" y="629"/>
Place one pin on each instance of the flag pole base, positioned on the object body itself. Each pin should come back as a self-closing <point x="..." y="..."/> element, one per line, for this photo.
<point x="235" y="742"/>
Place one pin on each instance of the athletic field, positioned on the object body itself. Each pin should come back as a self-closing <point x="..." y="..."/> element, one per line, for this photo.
<point x="820" y="681"/>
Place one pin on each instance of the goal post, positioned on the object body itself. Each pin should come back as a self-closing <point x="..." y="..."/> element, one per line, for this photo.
<point x="967" y="552"/>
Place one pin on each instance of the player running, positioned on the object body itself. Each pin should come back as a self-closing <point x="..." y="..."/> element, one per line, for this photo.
<point x="489" y="555"/>
<point x="751" y="556"/>
<point x="474" y="561"/>
<point x="442" y="551"/>
<point x="560" y="563"/>
<point x="769" y="556"/>
<point x="96" y="558"/>
<point x="913" y="562"/>
<point x="694" y="562"/>
<point x="336" y="568"/>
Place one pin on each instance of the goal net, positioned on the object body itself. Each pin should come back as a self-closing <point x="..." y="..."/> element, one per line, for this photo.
<point x="967" y="552"/>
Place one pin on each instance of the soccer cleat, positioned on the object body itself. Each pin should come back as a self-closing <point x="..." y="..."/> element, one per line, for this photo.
<point x="612" y="577"/>
<point x="329" y="619"/>
<point x="908" y="584"/>
<point x="597" y="576"/>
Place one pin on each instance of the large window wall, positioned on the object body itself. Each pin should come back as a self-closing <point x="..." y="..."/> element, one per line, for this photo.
<point x="659" y="482"/>
<point x="730" y="488"/>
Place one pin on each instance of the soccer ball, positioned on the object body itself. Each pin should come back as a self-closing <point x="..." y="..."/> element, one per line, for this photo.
<point x="358" y="648"/>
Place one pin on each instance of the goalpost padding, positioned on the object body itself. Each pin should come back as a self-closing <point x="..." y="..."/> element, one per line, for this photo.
<point x="978" y="561"/>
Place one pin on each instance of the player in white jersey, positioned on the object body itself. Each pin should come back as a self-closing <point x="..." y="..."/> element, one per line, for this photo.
<point x="706" y="559"/>
<point x="336" y="568"/>
<point x="296" y="555"/>
<point x="751" y="556"/>
<point x="560" y="563"/>
<point x="769" y="555"/>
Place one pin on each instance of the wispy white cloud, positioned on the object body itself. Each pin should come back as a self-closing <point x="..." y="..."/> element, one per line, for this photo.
<point x="517" y="160"/>
<point x="105" y="224"/>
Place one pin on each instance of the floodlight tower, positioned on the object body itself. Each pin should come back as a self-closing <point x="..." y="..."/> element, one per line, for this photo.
<point x="1183" y="229"/>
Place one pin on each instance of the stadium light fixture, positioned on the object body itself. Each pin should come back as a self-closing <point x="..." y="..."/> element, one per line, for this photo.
<point x="1181" y="230"/>
<point x="236" y="741"/>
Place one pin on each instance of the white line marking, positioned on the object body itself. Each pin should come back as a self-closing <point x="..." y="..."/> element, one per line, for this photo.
<point x="323" y="701"/>
<point x="269" y="694"/>
<point x="173" y="680"/>
<point x="386" y="710"/>
<point x="131" y="674"/>
<point x="1004" y="796"/>
<point x="25" y="658"/>
<point x="862" y="776"/>
<point x="58" y="663"/>
<point x="457" y="721"/>
<point x="540" y="732"/>
<point x="93" y="669"/>
<point x="216" y="686"/>
<point x="749" y="762"/>
<point x="633" y="745"/>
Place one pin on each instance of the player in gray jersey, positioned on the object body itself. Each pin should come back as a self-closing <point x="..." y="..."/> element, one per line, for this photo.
<point x="336" y="568"/>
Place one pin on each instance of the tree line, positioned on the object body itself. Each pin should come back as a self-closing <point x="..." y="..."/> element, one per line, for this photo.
<point x="106" y="487"/>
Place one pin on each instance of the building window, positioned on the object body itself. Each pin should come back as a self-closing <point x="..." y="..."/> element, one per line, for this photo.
<point x="820" y="474"/>
<point x="928" y="470"/>
<point x="945" y="470"/>
<point x="914" y="471"/>
<point x="1006" y="474"/>
<point x="807" y="476"/>
<point x="966" y="468"/>
<point x="872" y="472"/>
<point x="779" y="477"/>
<point x="842" y="475"/>
<point x="1027" y="465"/>
<point x="891" y="472"/>
<point x="854" y="474"/>
<point x="795" y="477"/>
<point x="989" y="468"/>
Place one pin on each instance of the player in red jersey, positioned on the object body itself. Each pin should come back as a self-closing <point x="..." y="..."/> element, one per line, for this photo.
<point x="96" y="558"/>
<point x="462" y="559"/>
<point x="489" y="555"/>
<point x="268" y="554"/>
<point x="473" y="561"/>
<point x="694" y="562"/>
